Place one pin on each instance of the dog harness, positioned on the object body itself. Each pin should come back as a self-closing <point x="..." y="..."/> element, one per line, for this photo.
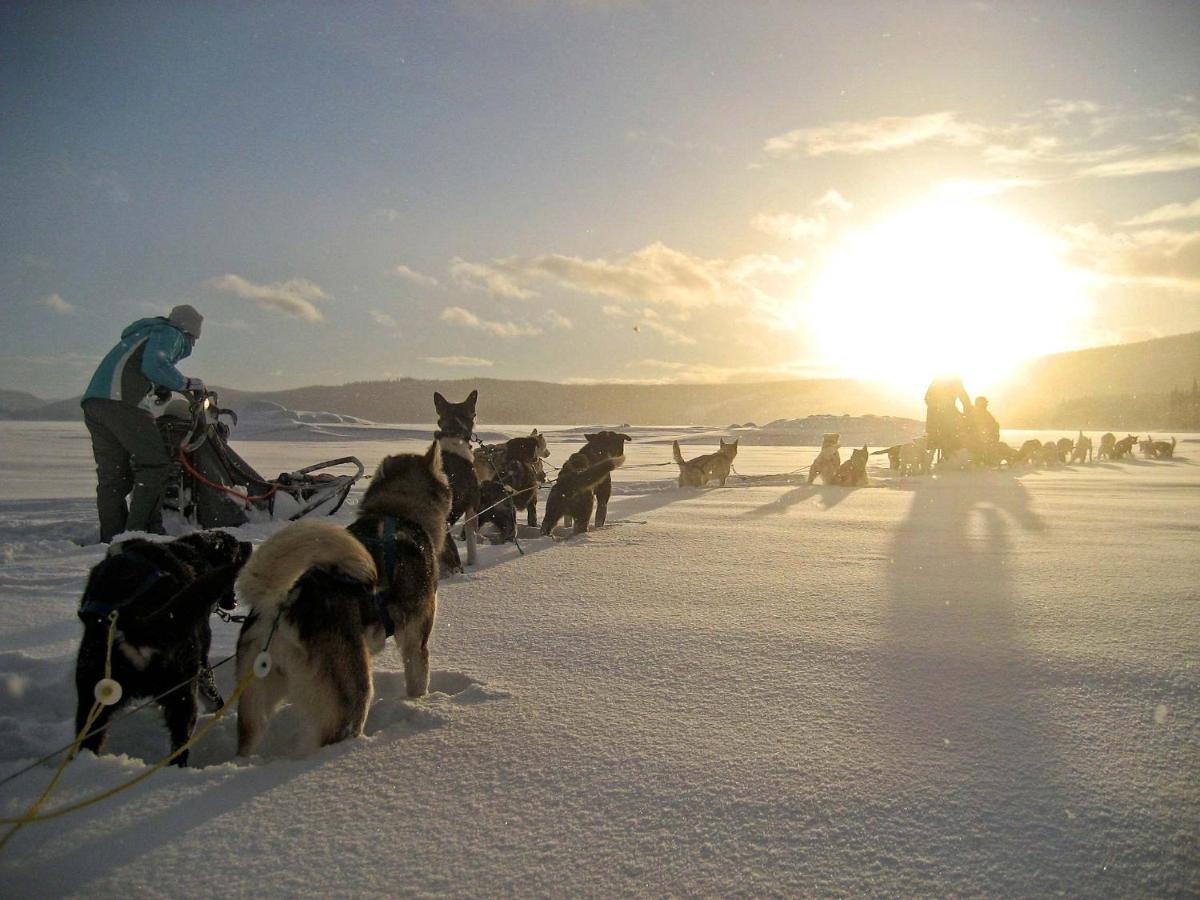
<point x="100" y="607"/>
<point x="387" y="544"/>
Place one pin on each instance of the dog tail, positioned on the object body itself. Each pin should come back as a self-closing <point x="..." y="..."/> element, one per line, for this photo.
<point x="677" y="454"/>
<point x="281" y="560"/>
<point x="886" y="450"/>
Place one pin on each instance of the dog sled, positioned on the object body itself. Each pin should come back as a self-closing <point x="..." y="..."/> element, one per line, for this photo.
<point x="210" y="486"/>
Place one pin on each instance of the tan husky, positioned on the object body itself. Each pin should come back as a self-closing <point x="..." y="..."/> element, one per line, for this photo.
<point x="699" y="471"/>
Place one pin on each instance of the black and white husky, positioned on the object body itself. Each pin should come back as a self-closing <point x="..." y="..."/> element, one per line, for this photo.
<point x="456" y="425"/>
<point x="327" y="599"/>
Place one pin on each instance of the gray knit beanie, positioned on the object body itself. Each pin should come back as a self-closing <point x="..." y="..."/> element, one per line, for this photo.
<point x="186" y="319"/>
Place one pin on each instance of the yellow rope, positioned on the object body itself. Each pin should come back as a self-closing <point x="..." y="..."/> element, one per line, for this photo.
<point x="32" y="815"/>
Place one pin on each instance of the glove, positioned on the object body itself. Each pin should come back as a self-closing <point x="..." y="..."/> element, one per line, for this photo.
<point x="194" y="384"/>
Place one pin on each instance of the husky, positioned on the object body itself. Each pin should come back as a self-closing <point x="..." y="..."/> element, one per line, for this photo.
<point x="697" y="472"/>
<point x="912" y="458"/>
<point x="1083" y="449"/>
<point x="490" y="459"/>
<point x="1107" y="442"/>
<point x="1124" y="447"/>
<point x="1066" y="447"/>
<point x="513" y="487"/>
<point x="1163" y="450"/>
<point x="853" y="472"/>
<point x="312" y="591"/>
<point x="163" y="594"/>
<point x="584" y="481"/>
<point x="456" y="425"/>
<point x="1031" y="452"/>
<point x="828" y="461"/>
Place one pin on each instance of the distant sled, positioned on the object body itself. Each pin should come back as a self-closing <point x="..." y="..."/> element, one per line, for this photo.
<point x="211" y="486"/>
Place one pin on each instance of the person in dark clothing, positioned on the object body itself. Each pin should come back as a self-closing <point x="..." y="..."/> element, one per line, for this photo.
<point x="944" y="420"/>
<point x="131" y="458"/>
<point x="983" y="430"/>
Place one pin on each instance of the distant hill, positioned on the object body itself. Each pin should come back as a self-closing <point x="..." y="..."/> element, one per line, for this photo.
<point x="15" y="403"/>
<point x="1126" y="385"/>
<point x="512" y="402"/>
<point x="1091" y="388"/>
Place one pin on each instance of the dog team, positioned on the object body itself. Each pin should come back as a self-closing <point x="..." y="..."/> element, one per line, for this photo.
<point x="325" y="599"/>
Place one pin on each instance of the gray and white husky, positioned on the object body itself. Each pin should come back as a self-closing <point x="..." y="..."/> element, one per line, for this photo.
<point x="327" y="598"/>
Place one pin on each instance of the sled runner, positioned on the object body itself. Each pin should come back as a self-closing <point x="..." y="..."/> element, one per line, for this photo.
<point x="211" y="486"/>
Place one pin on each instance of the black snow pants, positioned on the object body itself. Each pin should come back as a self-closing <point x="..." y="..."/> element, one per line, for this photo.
<point x="131" y="461"/>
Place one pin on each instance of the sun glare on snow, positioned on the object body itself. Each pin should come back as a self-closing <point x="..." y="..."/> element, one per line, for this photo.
<point x="950" y="286"/>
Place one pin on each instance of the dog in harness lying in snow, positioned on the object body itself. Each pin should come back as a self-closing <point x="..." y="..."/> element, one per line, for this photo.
<point x="517" y="474"/>
<point x="585" y="481"/>
<point x="456" y="425"/>
<point x="328" y="598"/>
<point x="490" y="459"/>
<point x="163" y="595"/>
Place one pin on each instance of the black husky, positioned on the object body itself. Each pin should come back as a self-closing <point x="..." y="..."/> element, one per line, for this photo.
<point x="584" y="481"/>
<point x="518" y="476"/>
<point x="163" y="595"/>
<point x="456" y="425"/>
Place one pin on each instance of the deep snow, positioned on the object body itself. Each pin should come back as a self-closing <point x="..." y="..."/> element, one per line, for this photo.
<point x="972" y="684"/>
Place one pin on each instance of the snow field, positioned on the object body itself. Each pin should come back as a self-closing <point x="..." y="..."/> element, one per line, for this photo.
<point x="974" y="684"/>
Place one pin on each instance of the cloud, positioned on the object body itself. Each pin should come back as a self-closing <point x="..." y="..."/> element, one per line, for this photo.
<point x="382" y="318"/>
<point x="57" y="304"/>
<point x="880" y="135"/>
<point x="1058" y="140"/>
<point x="1155" y="257"/>
<point x="294" y="297"/>
<point x="797" y="226"/>
<point x="1172" y="212"/>
<point x="1179" y="159"/>
<point x="492" y="278"/>
<point x="555" y="319"/>
<point x="656" y="274"/>
<point x="470" y="361"/>
<point x="414" y="276"/>
<point x="456" y="315"/>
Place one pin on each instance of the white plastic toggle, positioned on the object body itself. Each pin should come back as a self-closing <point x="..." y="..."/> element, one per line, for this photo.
<point x="107" y="692"/>
<point x="262" y="665"/>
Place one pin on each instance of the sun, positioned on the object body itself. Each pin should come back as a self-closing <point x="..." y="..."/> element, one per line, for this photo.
<point x="949" y="286"/>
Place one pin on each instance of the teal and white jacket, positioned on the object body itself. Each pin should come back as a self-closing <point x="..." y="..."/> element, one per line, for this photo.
<point x="143" y="360"/>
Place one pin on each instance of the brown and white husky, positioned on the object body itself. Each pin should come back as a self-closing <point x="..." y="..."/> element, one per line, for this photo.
<point x="326" y="599"/>
<point x="699" y="471"/>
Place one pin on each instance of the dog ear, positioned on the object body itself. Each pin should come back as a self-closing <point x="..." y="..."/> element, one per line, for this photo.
<point x="624" y="437"/>
<point x="471" y="398"/>
<point x="439" y="402"/>
<point x="590" y="437"/>
<point x="382" y="470"/>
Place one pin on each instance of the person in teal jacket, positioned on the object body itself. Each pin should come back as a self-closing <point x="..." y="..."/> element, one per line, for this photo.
<point x="131" y="459"/>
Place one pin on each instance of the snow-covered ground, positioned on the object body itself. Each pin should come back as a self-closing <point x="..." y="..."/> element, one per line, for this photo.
<point x="974" y="684"/>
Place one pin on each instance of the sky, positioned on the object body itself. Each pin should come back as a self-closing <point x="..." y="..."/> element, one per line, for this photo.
<point x="595" y="191"/>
